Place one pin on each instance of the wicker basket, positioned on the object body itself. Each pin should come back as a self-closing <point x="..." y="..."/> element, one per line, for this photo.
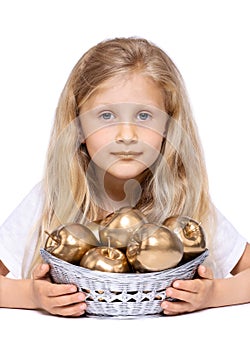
<point x="121" y="294"/>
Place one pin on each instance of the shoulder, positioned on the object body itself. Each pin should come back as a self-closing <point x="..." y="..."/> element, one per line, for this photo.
<point x="225" y="230"/>
<point x="244" y="262"/>
<point x="226" y="246"/>
<point x="27" y="211"/>
<point x="16" y="228"/>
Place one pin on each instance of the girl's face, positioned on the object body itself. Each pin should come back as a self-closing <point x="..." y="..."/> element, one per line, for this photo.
<point x="123" y="125"/>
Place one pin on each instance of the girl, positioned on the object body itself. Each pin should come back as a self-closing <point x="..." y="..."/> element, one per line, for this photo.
<point x="123" y="135"/>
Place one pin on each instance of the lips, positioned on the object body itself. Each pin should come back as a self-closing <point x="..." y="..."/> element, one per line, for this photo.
<point x="126" y="154"/>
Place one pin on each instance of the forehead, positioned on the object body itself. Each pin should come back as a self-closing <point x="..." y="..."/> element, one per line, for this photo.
<point x="133" y="88"/>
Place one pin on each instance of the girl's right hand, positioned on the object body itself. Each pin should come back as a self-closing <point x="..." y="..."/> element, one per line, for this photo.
<point x="57" y="299"/>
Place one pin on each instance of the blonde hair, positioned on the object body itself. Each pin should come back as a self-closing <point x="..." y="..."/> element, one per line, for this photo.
<point x="178" y="183"/>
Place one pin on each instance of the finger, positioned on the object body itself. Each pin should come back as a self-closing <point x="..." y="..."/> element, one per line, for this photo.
<point x="40" y="271"/>
<point x="192" y="286"/>
<point x="72" y="310"/>
<point x="69" y="299"/>
<point x="80" y="313"/>
<point x="182" y="295"/>
<point x="57" y="290"/>
<point x="205" y="272"/>
<point x="175" y="308"/>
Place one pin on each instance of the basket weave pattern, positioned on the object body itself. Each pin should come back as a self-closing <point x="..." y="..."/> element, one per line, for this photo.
<point x="120" y="294"/>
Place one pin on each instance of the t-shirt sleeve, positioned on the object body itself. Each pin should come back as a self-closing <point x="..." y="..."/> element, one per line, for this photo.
<point x="14" y="231"/>
<point x="226" y="247"/>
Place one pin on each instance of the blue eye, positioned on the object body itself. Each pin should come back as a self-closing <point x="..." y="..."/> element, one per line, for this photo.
<point x="107" y="116"/>
<point x="143" y="116"/>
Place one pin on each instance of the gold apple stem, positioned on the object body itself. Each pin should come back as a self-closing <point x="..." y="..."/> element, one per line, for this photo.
<point x="52" y="237"/>
<point x="109" y="250"/>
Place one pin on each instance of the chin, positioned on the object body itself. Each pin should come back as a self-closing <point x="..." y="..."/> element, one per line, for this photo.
<point x="126" y="172"/>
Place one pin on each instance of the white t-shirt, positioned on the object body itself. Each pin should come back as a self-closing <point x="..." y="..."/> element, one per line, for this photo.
<point x="226" y="247"/>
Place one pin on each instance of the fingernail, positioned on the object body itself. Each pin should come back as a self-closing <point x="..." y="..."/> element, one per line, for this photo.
<point x="203" y="268"/>
<point x="81" y="297"/>
<point x="168" y="292"/>
<point x="83" y="306"/>
<point x="176" y="284"/>
<point x="43" y="267"/>
<point x="164" y="305"/>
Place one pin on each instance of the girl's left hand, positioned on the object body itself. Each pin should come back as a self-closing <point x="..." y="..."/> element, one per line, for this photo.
<point x="192" y="295"/>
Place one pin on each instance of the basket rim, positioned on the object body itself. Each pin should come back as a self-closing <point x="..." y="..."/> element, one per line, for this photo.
<point x="45" y="254"/>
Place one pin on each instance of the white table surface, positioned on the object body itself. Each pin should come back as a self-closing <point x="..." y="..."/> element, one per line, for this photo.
<point x="225" y="328"/>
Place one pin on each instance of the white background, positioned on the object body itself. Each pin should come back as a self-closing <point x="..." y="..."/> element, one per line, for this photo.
<point x="208" y="40"/>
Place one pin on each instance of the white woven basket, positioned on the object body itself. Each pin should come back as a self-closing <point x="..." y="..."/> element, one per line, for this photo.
<point x="120" y="294"/>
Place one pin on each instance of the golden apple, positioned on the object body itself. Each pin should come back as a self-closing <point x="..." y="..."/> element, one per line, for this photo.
<point x="190" y="232"/>
<point x="106" y="259"/>
<point x="119" y="226"/>
<point x="154" y="248"/>
<point x="94" y="227"/>
<point x="69" y="242"/>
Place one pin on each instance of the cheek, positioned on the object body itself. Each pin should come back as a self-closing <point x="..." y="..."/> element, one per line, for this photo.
<point x="152" y="139"/>
<point x="98" y="141"/>
<point x="153" y="144"/>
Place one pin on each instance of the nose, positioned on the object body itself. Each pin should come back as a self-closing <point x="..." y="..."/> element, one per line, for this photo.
<point x="126" y="133"/>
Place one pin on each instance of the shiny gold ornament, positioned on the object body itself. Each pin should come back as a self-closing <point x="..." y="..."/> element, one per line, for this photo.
<point x="154" y="248"/>
<point x="106" y="259"/>
<point x="94" y="227"/>
<point x="119" y="226"/>
<point x="69" y="242"/>
<point x="190" y="232"/>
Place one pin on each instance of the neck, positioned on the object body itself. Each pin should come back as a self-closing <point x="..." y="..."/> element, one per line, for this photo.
<point x="117" y="193"/>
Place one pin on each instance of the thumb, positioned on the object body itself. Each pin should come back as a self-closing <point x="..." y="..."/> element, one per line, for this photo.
<point x="205" y="272"/>
<point x="40" y="271"/>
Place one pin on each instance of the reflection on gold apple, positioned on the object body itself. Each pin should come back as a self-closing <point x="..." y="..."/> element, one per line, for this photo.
<point x="154" y="248"/>
<point x="190" y="232"/>
<point x="106" y="259"/>
<point x="119" y="226"/>
<point x="69" y="242"/>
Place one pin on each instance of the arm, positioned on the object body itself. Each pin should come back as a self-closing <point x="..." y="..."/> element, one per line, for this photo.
<point x="40" y="293"/>
<point x="207" y="292"/>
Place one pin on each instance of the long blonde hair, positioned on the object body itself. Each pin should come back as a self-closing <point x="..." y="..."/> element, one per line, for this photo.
<point x="177" y="186"/>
